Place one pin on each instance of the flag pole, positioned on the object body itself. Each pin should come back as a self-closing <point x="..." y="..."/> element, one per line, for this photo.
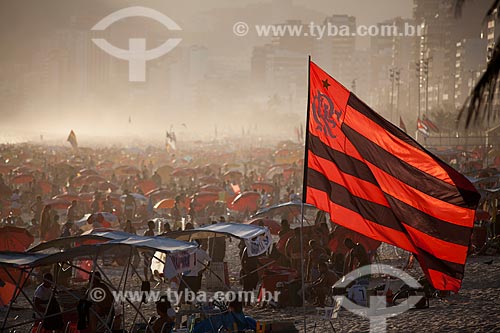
<point x="304" y="194"/>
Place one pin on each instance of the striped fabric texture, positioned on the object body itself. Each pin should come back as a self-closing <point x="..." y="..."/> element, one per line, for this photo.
<point x="374" y="179"/>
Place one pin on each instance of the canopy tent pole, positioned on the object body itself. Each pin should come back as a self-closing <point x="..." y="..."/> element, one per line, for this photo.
<point x="91" y="283"/>
<point x="125" y="271"/>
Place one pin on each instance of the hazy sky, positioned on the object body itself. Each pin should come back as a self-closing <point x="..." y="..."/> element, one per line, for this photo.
<point x="28" y="27"/>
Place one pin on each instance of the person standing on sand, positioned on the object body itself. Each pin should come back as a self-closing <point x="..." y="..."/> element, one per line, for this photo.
<point x="47" y="225"/>
<point x="355" y="257"/>
<point x="249" y="274"/>
<point x="315" y="256"/>
<point x="323" y="284"/>
<point x="292" y="250"/>
<point x="129" y="228"/>
<point x="156" y="178"/>
<point x="107" y="205"/>
<point x="95" y="206"/>
<point x="72" y="213"/>
<point x="37" y="207"/>
<point x="148" y="255"/>
<point x="130" y="206"/>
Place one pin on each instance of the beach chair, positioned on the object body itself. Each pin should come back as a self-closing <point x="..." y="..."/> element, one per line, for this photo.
<point x="329" y="314"/>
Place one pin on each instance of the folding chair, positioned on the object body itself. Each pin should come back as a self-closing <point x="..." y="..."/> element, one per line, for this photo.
<point x="329" y="314"/>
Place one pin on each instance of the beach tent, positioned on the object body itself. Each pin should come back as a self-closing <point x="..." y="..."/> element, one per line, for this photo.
<point x="70" y="249"/>
<point x="257" y="239"/>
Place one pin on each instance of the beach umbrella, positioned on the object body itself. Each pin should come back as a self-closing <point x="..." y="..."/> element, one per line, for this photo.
<point x="45" y="186"/>
<point x="22" y="179"/>
<point x="246" y="202"/>
<point x="274" y="171"/>
<point x="5" y="169"/>
<point x="104" y="165"/>
<point x="15" y="238"/>
<point x="211" y="188"/>
<point x="92" y="179"/>
<point x="78" y="180"/>
<point x="67" y="196"/>
<point x="87" y="172"/>
<point x="18" y="240"/>
<point x="165" y="204"/>
<point x="229" y="166"/>
<point x="274" y="226"/>
<point x="259" y="186"/>
<point x="202" y="199"/>
<point x="158" y="194"/>
<point x="109" y="220"/>
<point x="138" y="197"/>
<point x="232" y="174"/>
<point x="88" y="197"/>
<point x="164" y="171"/>
<point x="285" y="209"/>
<point x="183" y="172"/>
<point x="105" y="186"/>
<point x="127" y="170"/>
<point x="5" y="192"/>
<point x="208" y="180"/>
<point x="64" y="166"/>
<point x="58" y="204"/>
<point x="146" y="185"/>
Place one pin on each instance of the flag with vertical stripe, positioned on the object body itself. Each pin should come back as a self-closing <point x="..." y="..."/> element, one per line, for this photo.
<point x="374" y="179"/>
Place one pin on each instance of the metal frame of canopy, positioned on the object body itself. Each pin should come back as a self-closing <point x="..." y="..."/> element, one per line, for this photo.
<point x="25" y="262"/>
<point x="247" y="232"/>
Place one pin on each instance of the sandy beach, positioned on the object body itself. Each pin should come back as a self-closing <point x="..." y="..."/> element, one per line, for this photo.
<point x="474" y="309"/>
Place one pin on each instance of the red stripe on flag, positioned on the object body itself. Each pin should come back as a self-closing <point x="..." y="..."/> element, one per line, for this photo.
<point x="354" y="221"/>
<point x="443" y="281"/>
<point x="437" y="247"/>
<point x="422" y="201"/>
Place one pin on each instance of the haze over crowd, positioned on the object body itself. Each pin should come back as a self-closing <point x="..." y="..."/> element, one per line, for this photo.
<point x="54" y="79"/>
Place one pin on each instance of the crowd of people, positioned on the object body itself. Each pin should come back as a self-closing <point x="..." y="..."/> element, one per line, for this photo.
<point x="61" y="193"/>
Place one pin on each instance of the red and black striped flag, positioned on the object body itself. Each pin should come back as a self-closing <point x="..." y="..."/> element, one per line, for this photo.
<point x="374" y="179"/>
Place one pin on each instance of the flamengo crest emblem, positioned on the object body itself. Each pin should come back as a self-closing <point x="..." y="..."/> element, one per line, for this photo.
<point x="325" y="115"/>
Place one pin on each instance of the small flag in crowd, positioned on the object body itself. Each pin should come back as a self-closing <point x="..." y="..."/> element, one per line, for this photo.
<point x="422" y="128"/>
<point x="72" y="140"/>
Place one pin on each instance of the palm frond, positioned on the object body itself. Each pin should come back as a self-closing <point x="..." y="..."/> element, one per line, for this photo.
<point x="479" y="106"/>
<point x="491" y="11"/>
<point x="459" y="5"/>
